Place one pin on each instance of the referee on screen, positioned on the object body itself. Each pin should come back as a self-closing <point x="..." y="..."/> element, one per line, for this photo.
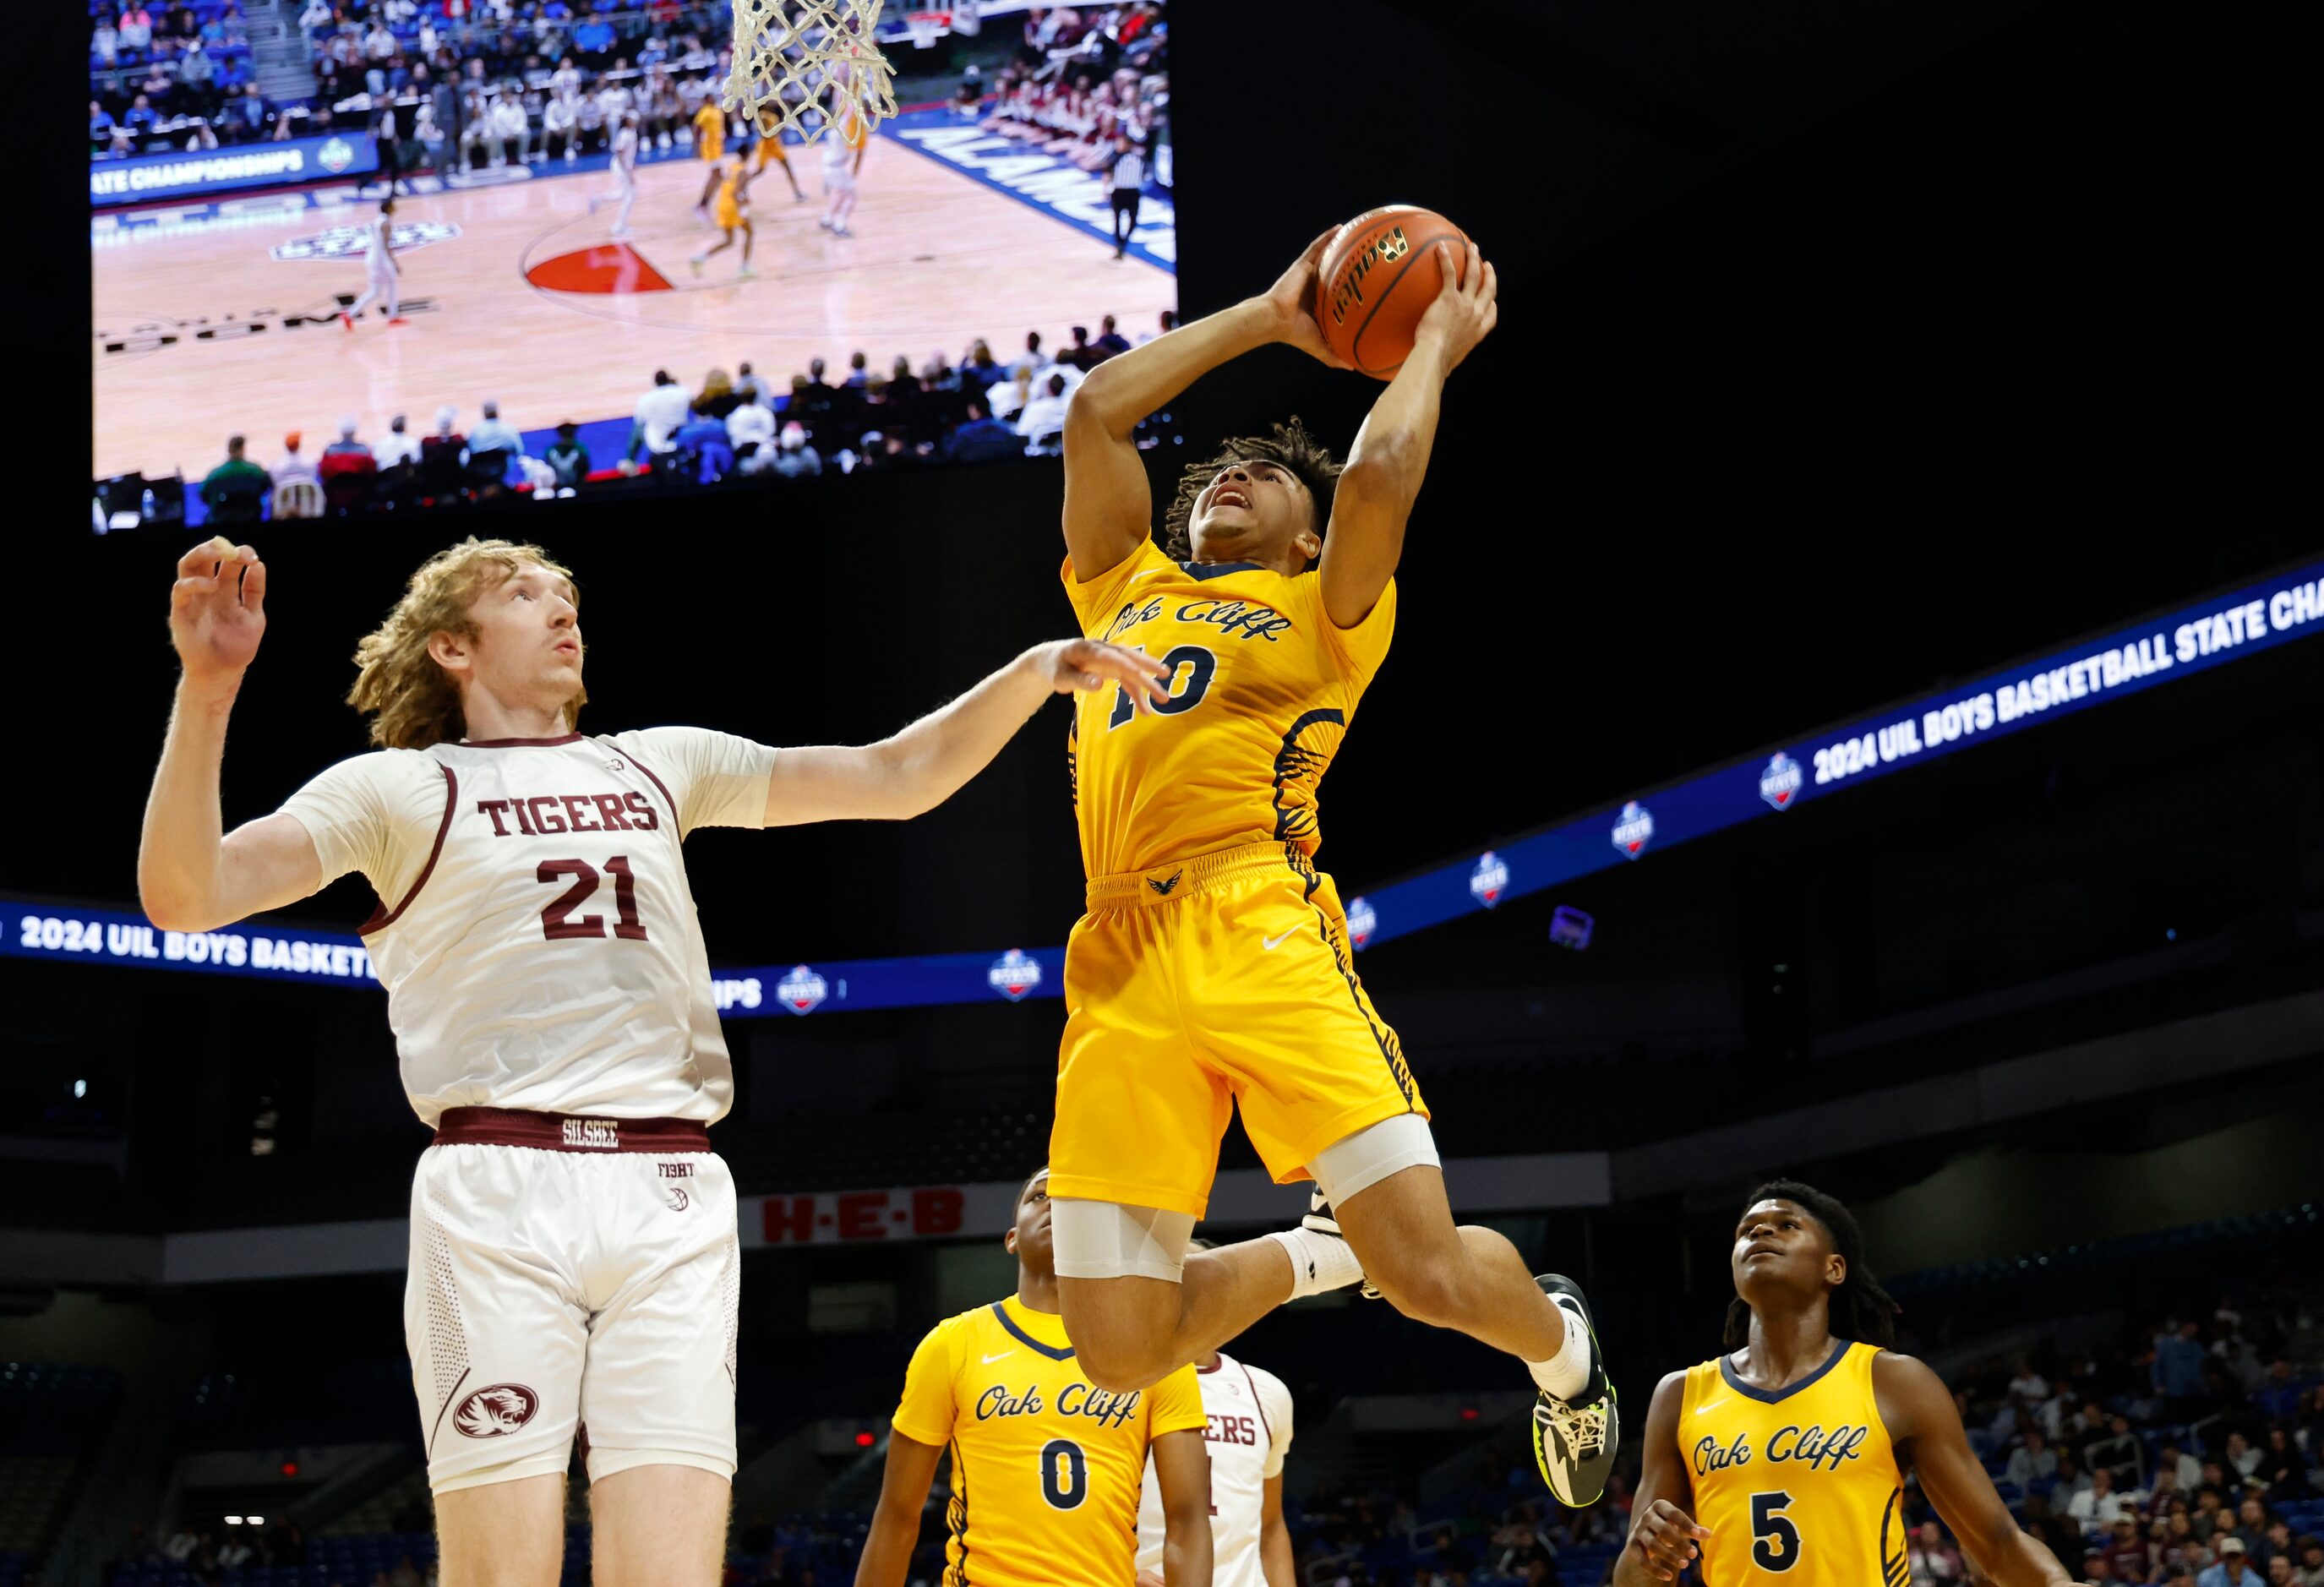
<point x="1127" y="173"/>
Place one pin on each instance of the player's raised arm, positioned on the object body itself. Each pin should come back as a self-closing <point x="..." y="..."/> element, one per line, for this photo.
<point x="1109" y="507"/>
<point x="1923" y="1422"/>
<point x="191" y="876"/>
<point x="1182" y="1470"/>
<point x="1663" y="1535"/>
<point x="928" y="762"/>
<point x="896" y="1522"/>
<point x="1390" y="455"/>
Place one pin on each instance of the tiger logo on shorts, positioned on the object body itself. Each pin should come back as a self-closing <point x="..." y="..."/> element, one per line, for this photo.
<point x="491" y="1413"/>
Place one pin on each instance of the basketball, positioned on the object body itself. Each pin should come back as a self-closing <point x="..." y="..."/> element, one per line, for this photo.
<point x="1375" y="282"/>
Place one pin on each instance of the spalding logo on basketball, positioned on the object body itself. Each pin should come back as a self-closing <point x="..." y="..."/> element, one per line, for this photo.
<point x="1377" y="278"/>
<point x="497" y="1411"/>
<point x="348" y="242"/>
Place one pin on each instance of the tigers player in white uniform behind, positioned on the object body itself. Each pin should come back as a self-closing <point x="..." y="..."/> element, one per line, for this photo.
<point x="574" y="1256"/>
<point x="1248" y="1433"/>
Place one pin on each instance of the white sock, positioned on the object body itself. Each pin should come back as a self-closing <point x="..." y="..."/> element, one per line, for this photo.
<point x="1565" y="1373"/>
<point x="1318" y="1261"/>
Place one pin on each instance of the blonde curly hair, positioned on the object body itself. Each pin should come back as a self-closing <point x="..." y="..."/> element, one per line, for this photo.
<point x="411" y="701"/>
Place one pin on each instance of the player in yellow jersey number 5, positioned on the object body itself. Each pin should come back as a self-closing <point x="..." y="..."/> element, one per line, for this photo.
<point x="1046" y="1468"/>
<point x="1782" y="1460"/>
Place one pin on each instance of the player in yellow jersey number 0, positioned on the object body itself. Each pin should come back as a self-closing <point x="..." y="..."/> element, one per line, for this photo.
<point x="1782" y="1460"/>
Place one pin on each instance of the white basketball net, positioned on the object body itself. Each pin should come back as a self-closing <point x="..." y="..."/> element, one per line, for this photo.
<point x="797" y="60"/>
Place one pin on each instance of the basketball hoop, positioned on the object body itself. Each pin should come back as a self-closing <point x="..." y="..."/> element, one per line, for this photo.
<point x="792" y="55"/>
<point x="925" y="26"/>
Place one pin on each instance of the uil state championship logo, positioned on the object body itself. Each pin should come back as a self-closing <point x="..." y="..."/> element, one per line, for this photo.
<point x="801" y="990"/>
<point x="1634" y="829"/>
<point x="1781" y="783"/>
<point x="1013" y="975"/>
<point x="1489" y="879"/>
<point x="1361" y="922"/>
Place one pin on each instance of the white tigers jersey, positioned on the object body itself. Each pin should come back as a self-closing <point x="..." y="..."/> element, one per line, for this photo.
<point x="377" y="246"/>
<point x="625" y="155"/>
<point x="1248" y="1431"/>
<point x="535" y="934"/>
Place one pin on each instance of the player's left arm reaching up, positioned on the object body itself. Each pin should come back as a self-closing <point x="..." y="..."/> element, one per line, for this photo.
<point x="918" y="769"/>
<point x="1390" y="455"/>
<point x="1182" y="1470"/>
<point x="1926" y="1428"/>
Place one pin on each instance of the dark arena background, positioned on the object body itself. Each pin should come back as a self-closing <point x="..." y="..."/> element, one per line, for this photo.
<point x="1853" y="716"/>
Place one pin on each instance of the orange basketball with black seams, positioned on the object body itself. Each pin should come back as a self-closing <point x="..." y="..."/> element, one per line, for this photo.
<point x="1376" y="279"/>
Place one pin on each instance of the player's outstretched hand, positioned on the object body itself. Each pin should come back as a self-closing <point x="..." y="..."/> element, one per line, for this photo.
<point x="218" y="611"/>
<point x="1466" y="307"/>
<point x="1666" y="1540"/>
<point x="1293" y="300"/>
<point x="1084" y="665"/>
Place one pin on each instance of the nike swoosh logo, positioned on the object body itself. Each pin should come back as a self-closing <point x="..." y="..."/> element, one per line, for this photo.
<point x="1272" y="943"/>
<point x="1711" y="1405"/>
<point x="1003" y="1356"/>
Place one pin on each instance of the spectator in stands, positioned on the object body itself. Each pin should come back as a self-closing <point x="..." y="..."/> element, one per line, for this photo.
<point x="568" y="458"/>
<point x="2242" y="1460"/>
<point x="654" y="424"/>
<point x="100" y="124"/>
<point x="347" y="468"/>
<point x="858" y="377"/>
<point x="1935" y="1560"/>
<point x="1164" y="326"/>
<point x="509" y="130"/>
<point x="753" y="386"/>
<point x="703" y="438"/>
<point x="718" y="397"/>
<point x="981" y="437"/>
<point x="234" y="488"/>
<point x="560" y="128"/>
<point x="2128" y="1552"/>
<point x="2034" y="1462"/>
<point x="2233" y="1569"/>
<point x="104" y="42"/>
<point x="2251" y="1527"/>
<point x="750" y="431"/>
<point x="938" y="374"/>
<point x="2100" y="1505"/>
<point x="293" y="466"/>
<point x="443" y="455"/>
<point x="400" y="448"/>
<point x="136" y="31"/>
<point x="2283" y="1467"/>
<point x="493" y="435"/>
<point x="2178" y="1371"/>
<point x="1081" y="356"/>
<point x="2186" y="1470"/>
<point x="1029" y="362"/>
<point x="1045" y="415"/>
<point x="2311" y="1562"/>
<point x="1110" y="339"/>
<point x="795" y="458"/>
<point x="139" y="119"/>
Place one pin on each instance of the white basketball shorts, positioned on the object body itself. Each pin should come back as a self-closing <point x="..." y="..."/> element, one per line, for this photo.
<point x="570" y="1276"/>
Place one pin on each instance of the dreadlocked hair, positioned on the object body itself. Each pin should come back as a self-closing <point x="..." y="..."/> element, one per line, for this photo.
<point x="1290" y="445"/>
<point x="1860" y="1309"/>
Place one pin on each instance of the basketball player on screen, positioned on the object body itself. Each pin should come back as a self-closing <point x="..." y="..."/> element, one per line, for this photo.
<point x="625" y="166"/>
<point x="844" y="142"/>
<point x="1782" y="1460"/>
<point x="1213" y="969"/>
<point x="574" y="1253"/>
<point x="382" y="276"/>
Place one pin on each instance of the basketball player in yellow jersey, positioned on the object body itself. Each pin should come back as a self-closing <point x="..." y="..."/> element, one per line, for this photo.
<point x="1213" y="969"/>
<point x="729" y="218"/>
<point x="1047" y="1468"/>
<point x="771" y="152"/>
<point x="1781" y="1461"/>
<point x="710" y="147"/>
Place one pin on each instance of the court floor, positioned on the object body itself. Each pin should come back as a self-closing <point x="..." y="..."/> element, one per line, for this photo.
<point x="223" y="320"/>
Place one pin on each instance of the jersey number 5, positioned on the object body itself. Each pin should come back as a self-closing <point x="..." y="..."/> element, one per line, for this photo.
<point x="1775" y="1541"/>
<point x="556" y="921"/>
<point x="1200" y="665"/>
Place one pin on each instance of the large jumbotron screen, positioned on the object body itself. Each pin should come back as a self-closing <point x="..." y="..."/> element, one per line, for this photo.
<point x="238" y="166"/>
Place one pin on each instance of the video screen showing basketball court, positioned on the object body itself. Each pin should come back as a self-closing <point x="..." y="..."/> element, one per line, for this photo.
<point x="986" y="209"/>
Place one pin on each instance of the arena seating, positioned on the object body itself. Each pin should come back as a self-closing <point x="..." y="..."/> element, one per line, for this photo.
<point x="52" y="1420"/>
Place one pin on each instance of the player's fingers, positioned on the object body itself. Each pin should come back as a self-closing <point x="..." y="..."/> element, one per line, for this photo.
<point x="1489" y="288"/>
<point x="1315" y="250"/>
<point x="203" y="556"/>
<point x="187" y="591"/>
<point x="1449" y="283"/>
<point x="253" y="585"/>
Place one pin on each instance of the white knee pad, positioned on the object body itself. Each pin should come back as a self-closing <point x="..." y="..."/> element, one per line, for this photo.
<point x="1371" y="1154"/>
<point x="1105" y="1239"/>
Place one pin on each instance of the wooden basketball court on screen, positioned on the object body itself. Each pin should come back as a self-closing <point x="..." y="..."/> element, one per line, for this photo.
<point x="201" y="331"/>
